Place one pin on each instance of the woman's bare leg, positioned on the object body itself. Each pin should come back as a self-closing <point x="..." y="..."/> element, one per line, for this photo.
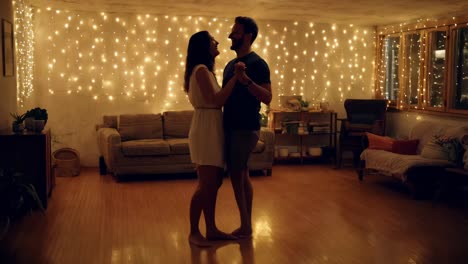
<point x="196" y="207"/>
<point x="210" y="186"/>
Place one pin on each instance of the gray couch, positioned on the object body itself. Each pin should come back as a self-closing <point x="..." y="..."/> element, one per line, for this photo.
<point x="158" y="144"/>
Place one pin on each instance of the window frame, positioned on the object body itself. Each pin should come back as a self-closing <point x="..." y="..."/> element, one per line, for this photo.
<point x="449" y="25"/>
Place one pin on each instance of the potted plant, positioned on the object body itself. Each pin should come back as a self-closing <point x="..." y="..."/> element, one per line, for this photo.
<point x="17" y="125"/>
<point x="17" y="197"/>
<point x="36" y="119"/>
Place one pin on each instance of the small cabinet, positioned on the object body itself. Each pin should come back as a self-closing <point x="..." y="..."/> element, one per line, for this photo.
<point x="304" y="135"/>
<point x="29" y="153"/>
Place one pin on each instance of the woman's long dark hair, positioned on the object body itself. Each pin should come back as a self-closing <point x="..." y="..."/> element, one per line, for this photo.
<point x="198" y="52"/>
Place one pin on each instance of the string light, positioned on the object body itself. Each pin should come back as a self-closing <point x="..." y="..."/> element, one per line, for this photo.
<point x="139" y="51"/>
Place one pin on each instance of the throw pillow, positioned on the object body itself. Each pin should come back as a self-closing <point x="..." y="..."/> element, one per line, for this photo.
<point x="433" y="150"/>
<point x="444" y="147"/>
<point x="405" y="147"/>
<point x="379" y="142"/>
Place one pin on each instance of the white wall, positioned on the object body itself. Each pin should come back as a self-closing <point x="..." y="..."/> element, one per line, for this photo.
<point x="91" y="64"/>
<point x="7" y="84"/>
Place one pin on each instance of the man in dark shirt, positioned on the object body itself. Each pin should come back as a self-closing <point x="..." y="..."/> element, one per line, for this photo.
<point x="242" y="117"/>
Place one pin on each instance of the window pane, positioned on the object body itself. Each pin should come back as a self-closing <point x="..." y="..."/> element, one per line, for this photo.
<point x="436" y="70"/>
<point x="412" y="67"/>
<point x="461" y="70"/>
<point x="392" y="47"/>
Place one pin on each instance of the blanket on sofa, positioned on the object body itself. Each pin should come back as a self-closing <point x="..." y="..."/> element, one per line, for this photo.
<point x="397" y="165"/>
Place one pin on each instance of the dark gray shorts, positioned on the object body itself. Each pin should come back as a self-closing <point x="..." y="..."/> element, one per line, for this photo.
<point x="239" y="145"/>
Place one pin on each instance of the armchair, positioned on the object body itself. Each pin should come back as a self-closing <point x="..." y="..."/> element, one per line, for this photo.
<point x="363" y="115"/>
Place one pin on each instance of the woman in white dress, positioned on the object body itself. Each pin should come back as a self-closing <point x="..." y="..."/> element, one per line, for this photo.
<point x="206" y="137"/>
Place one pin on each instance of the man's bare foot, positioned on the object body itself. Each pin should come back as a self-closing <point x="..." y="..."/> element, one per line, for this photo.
<point x="219" y="235"/>
<point x="242" y="232"/>
<point x="198" y="240"/>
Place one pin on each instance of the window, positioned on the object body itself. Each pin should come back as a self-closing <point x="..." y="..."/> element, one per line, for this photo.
<point x="459" y="95"/>
<point x="436" y="69"/>
<point x="412" y="69"/>
<point x="391" y="59"/>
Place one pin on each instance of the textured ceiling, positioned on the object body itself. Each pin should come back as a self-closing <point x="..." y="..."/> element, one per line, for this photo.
<point x="359" y="12"/>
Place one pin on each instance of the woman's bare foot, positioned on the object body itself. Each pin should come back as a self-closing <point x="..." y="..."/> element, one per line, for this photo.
<point x="242" y="232"/>
<point x="198" y="240"/>
<point x="219" y="235"/>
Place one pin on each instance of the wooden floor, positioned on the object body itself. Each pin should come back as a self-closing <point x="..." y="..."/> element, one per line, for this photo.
<point x="302" y="214"/>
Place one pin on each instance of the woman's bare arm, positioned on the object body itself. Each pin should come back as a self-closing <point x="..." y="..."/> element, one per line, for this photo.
<point x="203" y="77"/>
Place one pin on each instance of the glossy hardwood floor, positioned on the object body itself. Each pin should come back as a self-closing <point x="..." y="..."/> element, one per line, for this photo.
<point x="302" y="214"/>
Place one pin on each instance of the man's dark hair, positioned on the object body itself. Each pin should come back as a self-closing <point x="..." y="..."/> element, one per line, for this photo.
<point x="250" y="26"/>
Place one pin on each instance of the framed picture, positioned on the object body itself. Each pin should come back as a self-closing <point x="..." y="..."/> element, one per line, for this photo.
<point x="7" y="43"/>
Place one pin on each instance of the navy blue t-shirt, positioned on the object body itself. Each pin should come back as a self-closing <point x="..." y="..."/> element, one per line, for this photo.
<point x="242" y="109"/>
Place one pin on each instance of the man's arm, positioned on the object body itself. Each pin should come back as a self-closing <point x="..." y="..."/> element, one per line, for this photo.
<point x="261" y="91"/>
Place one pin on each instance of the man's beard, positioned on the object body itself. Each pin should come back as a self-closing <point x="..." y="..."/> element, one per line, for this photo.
<point x="236" y="44"/>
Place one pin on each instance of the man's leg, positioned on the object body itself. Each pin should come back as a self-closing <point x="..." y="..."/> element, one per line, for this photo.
<point x="238" y="184"/>
<point x="241" y="145"/>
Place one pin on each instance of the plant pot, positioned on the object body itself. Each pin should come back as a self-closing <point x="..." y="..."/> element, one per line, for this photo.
<point x="39" y="125"/>
<point x="29" y="123"/>
<point x="17" y="128"/>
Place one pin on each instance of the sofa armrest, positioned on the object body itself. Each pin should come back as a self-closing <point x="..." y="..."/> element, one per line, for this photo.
<point x="109" y="141"/>
<point x="268" y="136"/>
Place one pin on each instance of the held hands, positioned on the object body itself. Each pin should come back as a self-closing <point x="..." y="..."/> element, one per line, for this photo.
<point x="239" y="71"/>
<point x="239" y="68"/>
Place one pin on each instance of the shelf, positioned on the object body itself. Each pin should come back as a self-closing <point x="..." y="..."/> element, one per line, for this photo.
<point x="301" y="142"/>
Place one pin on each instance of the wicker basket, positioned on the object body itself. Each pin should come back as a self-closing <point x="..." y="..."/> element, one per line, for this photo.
<point x="66" y="162"/>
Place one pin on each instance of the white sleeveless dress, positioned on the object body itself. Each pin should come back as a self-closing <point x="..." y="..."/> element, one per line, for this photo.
<point x="206" y="136"/>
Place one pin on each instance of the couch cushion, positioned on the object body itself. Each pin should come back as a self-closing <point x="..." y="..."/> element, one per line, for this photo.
<point x="177" y="123"/>
<point x="432" y="150"/>
<point x="142" y="126"/>
<point x="146" y="147"/>
<point x="379" y="142"/>
<point x="179" y="146"/>
<point x="260" y="147"/>
<point x="405" y="147"/>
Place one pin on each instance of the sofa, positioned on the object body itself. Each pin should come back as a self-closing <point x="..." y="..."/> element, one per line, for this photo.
<point x="421" y="165"/>
<point x="131" y="144"/>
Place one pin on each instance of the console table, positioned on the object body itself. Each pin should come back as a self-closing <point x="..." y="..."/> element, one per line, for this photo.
<point x="30" y="154"/>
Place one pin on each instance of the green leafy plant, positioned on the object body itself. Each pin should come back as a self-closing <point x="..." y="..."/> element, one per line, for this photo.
<point x="17" y="118"/>
<point x="38" y="114"/>
<point x="17" y="197"/>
